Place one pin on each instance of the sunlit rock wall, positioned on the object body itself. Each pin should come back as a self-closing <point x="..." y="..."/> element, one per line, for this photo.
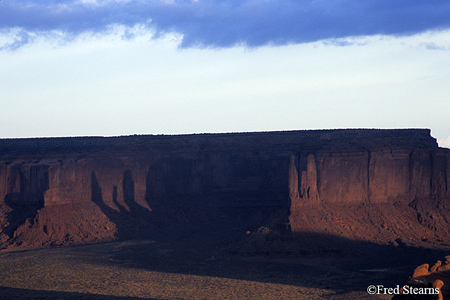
<point x="213" y="179"/>
<point x="380" y="176"/>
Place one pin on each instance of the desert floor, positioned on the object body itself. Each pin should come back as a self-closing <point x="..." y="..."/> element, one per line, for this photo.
<point x="150" y="269"/>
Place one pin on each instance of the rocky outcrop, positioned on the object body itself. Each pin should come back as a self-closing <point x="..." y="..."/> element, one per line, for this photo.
<point x="433" y="280"/>
<point x="79" y="190"/>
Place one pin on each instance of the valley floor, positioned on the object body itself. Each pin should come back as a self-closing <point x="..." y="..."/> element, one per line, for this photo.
<point x="142" y="269"/>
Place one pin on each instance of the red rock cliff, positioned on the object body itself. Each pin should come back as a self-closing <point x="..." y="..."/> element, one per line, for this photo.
<point x="79" y="190"/>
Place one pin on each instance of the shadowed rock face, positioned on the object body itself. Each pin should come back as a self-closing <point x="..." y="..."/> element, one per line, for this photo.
<point x="383" y="183"/>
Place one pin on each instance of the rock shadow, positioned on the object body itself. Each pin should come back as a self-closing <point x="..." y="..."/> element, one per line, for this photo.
<point x="185" y="198"/>
<point x="26" y="189"/>
<point x="134" y="222"/>
<point x="310" y="260"/>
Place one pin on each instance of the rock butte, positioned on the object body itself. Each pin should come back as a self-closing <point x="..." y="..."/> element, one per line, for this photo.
<point x="273" y="189"/>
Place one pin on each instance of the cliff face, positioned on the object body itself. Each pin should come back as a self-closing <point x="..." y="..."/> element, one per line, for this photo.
<point x="382" y="176"/>
<point x="79" y="190"/>
<point x="386" y="196"/>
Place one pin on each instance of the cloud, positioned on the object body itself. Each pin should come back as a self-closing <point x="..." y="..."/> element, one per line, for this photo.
<point x="444" y="143"/>
<point x="220" y="23"/>
<point x="433" y="46"/>
<point x="16" y="40"/>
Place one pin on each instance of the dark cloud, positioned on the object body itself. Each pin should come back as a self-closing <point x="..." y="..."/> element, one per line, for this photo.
<point x="218" y="23"/>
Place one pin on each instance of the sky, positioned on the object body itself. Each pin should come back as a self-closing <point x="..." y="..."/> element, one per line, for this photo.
<point x="121" y="67"/>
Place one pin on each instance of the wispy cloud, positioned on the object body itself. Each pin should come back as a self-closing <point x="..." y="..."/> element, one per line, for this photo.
<point x="219" y="23"/>
<point x="434" y="46"/>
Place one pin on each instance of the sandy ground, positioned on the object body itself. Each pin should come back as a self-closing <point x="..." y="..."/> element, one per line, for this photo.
<point x="162" y="270"/>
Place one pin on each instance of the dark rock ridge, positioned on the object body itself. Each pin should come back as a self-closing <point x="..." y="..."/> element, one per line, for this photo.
<point x="383" y="186"/>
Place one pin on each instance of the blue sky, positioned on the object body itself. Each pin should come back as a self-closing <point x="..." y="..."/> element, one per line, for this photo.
<point x="102" y="67"/>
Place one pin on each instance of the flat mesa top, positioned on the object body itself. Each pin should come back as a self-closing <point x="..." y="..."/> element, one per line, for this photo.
<point x="312" y="139"/>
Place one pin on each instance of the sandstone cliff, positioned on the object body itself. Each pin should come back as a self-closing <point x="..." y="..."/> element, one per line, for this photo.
<point x="377" y="185"/>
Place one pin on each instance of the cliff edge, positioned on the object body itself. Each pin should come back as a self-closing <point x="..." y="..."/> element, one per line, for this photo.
<point x="270" y="190"/>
